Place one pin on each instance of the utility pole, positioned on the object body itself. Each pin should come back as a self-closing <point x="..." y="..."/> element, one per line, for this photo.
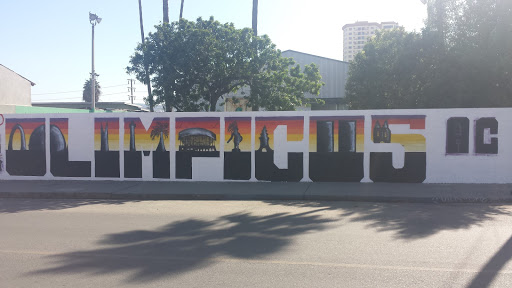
<point x="131" y="89"/>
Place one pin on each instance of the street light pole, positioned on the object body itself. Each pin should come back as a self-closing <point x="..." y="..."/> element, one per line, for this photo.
<point x="94" y="19"/>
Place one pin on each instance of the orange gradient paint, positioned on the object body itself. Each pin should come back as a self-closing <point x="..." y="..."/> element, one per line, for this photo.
<point x="29" y="125"/>
<point x="143" y="141"/>
<point x="295" y="128"/>
<point x="411" y="142"/>
<point x="113" y="133"/>
<point x="335" y="119"/>
<point x="244" y="128"/>
<point x="62" y="124"/>
<point x="209" y="123"/>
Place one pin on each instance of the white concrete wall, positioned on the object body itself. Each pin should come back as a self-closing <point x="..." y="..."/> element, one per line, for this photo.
<point x="422" y="132"/>
<point x="14" y="89"/>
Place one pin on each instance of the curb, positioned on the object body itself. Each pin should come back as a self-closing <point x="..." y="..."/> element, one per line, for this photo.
<point x="243" y="197"/>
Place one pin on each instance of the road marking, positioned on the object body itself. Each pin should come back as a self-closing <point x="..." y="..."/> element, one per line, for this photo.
<point x="255" y="261"/>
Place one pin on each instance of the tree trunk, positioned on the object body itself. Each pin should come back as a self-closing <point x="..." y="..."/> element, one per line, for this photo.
<point x="255" y="31"/>
<point x="166" y="11"/>
<point x="255" y="16"/>
<point x="213" y="103"/>
<point x="148" y="81"/>
<point x="181" y="9"/>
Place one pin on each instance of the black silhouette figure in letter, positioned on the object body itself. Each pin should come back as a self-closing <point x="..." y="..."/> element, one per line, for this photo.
<point x="381" y="134"/>
<point x="235" y="136"/>
<point x="264" y="140"/>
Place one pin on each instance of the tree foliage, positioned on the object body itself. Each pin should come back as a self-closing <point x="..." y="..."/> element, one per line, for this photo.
<point x="193" y="64"/>
<point x="462" y="58"/>
<point x="87" y="93"/>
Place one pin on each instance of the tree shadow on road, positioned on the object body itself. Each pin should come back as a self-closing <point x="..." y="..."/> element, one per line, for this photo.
<point x="491" y="269"/>
<point x="409" y="221"/>
<point x="187" y="245"/>
<point x="23" y="205"/>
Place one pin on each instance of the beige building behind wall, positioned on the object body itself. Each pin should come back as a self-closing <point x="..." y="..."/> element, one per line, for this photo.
<point x="355" y="36"/>
<point x="15" y="90"/>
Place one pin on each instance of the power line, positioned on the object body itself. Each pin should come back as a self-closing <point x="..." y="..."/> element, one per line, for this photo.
<point x="75" y="90"/>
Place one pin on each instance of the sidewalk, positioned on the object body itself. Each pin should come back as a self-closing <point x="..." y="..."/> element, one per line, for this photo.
<point x="372" y="192"/>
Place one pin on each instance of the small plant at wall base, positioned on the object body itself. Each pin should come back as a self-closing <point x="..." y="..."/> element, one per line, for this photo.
<point x="86" y="95"/>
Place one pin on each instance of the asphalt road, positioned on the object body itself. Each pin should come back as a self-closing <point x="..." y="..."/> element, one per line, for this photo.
<point x="98" y="243"/>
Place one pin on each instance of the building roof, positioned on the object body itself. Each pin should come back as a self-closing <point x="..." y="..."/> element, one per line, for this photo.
<point x="31" y="83"/>
<point x="87" y="105"/>
<point x="360" y="23"/>
<point x="314" y="56"/>
<point x="366" y="23"/>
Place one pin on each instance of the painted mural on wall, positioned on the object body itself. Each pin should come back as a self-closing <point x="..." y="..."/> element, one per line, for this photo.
<point x="393" y="130"/>
<point x="266" y="169"/>
<point x="195" y="137"/>
<point x="429" y="146"/>
<point x="237" y="152"/>
<point x="336" y="145"/>
<point x="106" y="147"/>
<point x="1" y="157"/>
<point x="152" y="142"/>
<point x="1" y="154"/>
<point x="26" y="147"/>
<point x="60" y="166"/>
<point x="485" y="137"/>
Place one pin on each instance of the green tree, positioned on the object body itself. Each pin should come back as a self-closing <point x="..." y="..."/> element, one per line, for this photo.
<point x="193" y="64"/>
<point x="386" y="75"/>
<point x="87" y="93"/>
<point x="462" y="58"/>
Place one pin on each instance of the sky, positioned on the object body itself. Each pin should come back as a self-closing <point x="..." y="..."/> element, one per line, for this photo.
<point x="49" y="42"/>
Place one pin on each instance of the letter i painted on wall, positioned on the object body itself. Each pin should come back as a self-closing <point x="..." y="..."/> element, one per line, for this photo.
<point x="237" y="161"/>
<point x="106" y="146"/>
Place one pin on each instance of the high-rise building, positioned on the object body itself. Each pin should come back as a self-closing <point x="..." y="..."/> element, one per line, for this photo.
<point x="355" y="36"/>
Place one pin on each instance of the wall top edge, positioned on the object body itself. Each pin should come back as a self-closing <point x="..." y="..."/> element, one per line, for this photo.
<point x="452" y="111"/>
